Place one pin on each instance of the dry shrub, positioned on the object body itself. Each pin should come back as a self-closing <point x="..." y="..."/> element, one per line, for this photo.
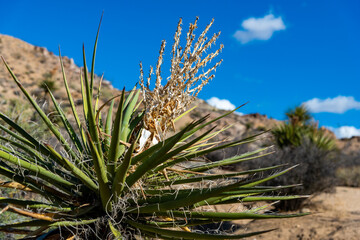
<point x="315" y="172"/>
<point x="348" y="176"/>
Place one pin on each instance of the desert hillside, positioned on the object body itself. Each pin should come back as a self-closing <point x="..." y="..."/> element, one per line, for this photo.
<point x="35" y="66"/>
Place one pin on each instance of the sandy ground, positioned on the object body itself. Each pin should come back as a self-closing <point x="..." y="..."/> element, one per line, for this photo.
<point x="334" y="216"/>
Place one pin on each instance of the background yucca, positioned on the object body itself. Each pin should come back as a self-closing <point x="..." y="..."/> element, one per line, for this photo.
<point x="300" y="141"/>
<point x="300" y="127"/>
<point x="98" y="182"/>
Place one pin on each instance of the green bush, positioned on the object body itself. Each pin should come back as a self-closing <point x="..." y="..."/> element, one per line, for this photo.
<point x="124" y="177"/>
<point x="300" y="128"/>
<point x="300" y="142"/>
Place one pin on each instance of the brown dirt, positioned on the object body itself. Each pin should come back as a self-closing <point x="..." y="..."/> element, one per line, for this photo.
<point x="334" y="216"/>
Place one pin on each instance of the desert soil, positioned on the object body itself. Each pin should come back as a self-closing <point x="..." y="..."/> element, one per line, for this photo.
<point x="334" y="216"/>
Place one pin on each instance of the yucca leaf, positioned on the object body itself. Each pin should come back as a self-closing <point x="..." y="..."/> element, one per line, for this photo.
<point x="72" y="223"/>
<point x="243" y="191"/>
<point x="11" y="151"/>
<point x="19" y="202"/>
<point x="179" y="193"/>
<point x="93" y="57"/>
<point x="100" y="170"/>
<point x="92" y="124"/>
<point x="262" y="207"/>
<point x="32" y="223"/>
<point x="15" y="185"/>
<point x="186" y="200"/>
<point x="189" y="235"/>
<point x="67" y="164"/>
<point x="108" y="127"/>
<point x="125" y="126"/>
<point x="205" y="141"/>
<point x="183" y="114"/>
<point x="167" y="195"/>
<point x="15" y="231"/>
<point x="254" y="183"/>
<point x="231" y="160"/>
<point x="39" y="233"/>
<point x="34" y="156"/>
<point x="199" y="153"/>
<point x="48" y="224"/>
<point x="41" y="113"/>
<point x="98" y="118"/>
<point x="215" y="176"/>
<point x="34" y="143"/>
<point x="36" y="187"/>
<point x="245" y="197"/>
<point x="219" y="216"/>
<point x="33" y="146"/>
<point x="129" y="97"/>
<point x="129" y="108"/>
<point x="149" y="163"/>
<point x="40" y="171"/>
<point x="60" y="211"/>
<point x="71" y="101"/>
<point x="115" y="232"/>
<point x="190" y="133"/>
<point x="194" y="235"/>
<point x="256" y="189"/>
<point x="178" y="150"/>
<point x="178" y="223"/>
<point x="108" y="123"/>
<point x="84" y="100"/>
<point x="136" y="121"/>
<point x="114" y="151"/>
<point x="26" y="213"/>
<point x="31" y="204"/>
<point x="121" y="172"/>
<point x="272" y="198"/>
<point x="82" y="210"/>
<point x="143" y="155"/>
<point x="17" y="137"/>
<point x="55" y="225"/>
<point x="70" y="130"/>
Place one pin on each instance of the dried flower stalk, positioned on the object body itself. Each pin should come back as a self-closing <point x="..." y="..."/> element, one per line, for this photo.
<point x="166" y="102"/>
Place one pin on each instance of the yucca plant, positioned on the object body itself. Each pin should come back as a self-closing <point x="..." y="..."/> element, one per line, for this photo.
<point x="300" y="115"/>
<point x="122" y="174"/>
<point x="300" y="141"/>
<point x="300" y="128"/>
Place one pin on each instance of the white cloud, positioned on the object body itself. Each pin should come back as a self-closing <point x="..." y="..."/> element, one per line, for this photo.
<point x="239" y="113"/>
<point x="338" y="104"/>
<point x="345" y="131"/>
<point x="259" y="28"/>
<point x="222" y="104"/>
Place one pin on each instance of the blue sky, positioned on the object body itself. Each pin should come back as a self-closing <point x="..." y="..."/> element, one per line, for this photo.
<point x="277" y="54"/>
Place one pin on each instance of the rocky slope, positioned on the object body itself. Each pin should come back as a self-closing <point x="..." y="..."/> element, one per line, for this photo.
<point x="337" y="215"/>
<point x="33" y="65"/>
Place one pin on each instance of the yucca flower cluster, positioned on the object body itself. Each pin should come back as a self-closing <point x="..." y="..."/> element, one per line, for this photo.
<point x="165" y="103"/>
<point x="97" y="183"/>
